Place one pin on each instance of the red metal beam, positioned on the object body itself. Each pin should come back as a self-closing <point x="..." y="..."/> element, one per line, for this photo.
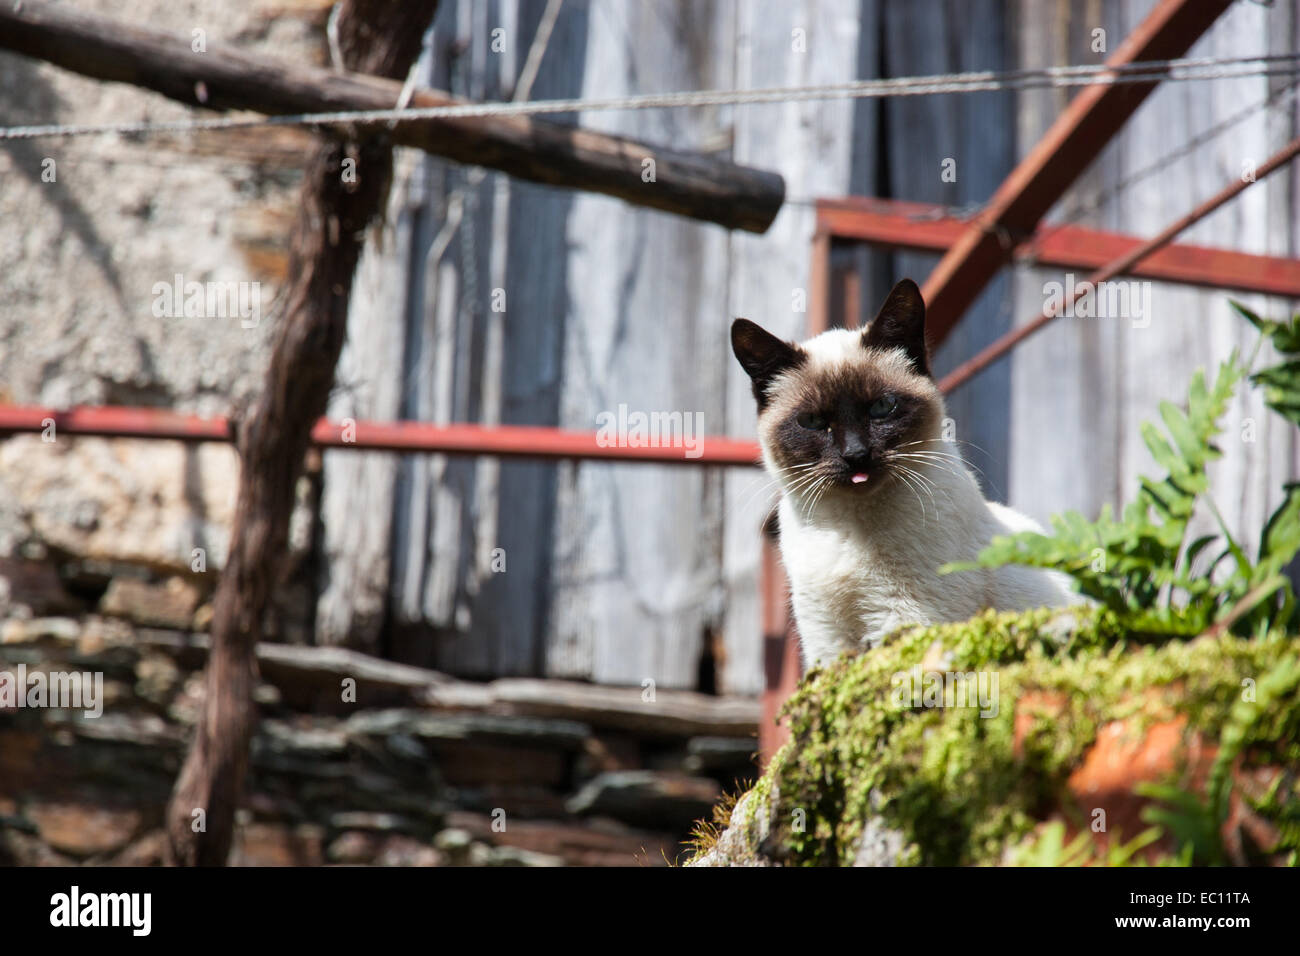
<point x="781" y="666"/>
<point x="924" y="227"/>
<point x="1121" y="266"/>
<point x="505" y="441"/>
<point x="1079" y="134"/>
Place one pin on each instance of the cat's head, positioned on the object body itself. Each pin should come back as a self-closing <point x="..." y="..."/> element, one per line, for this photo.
<point x="840" y="410"/>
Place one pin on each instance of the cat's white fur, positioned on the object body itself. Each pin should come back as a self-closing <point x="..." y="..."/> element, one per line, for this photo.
<point x="862" y="565"/>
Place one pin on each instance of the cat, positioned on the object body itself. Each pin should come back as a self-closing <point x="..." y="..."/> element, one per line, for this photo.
<point x="873" y="499"/>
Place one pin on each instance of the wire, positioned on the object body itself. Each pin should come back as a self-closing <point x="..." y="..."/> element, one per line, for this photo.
<point x="1151" y="71"/>
<point x="1092" y="203"/>
<point x="1275" y="100"/>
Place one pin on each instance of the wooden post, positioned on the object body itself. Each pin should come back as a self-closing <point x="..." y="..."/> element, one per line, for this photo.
<point x="334" y="212"/>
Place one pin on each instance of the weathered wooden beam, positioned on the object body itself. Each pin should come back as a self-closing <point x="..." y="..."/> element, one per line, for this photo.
<point x="293" y="668"/>
<point x="1077" y="137"/>
<point x="689" y="184"/>
<point x="671" y="712"/>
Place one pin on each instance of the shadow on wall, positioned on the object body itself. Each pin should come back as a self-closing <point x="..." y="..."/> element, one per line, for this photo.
<point x="485" y="624"/>
<point x="26" y="97"/>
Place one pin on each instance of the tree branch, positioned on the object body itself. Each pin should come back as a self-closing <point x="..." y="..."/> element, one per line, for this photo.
<point x="323" y="252"/>
<point x="689" y="184"/>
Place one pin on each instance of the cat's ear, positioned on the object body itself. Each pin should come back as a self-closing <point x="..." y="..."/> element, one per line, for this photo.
<point x="762" y="355"/>
<point x="900" y="323"/>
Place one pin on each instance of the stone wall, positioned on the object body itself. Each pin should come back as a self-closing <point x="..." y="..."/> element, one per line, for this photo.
<point x="414" y="768"/>
<point x="102" y="220"/>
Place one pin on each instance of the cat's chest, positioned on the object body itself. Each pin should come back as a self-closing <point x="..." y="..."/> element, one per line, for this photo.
<point x="848" y="564"/>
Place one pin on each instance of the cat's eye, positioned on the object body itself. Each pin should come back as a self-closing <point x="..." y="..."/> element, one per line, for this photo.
<point x="813" y="421"/>
<point x="882" y="406"/>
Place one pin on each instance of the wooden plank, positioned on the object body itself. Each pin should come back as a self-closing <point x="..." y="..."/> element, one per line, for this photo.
<point x="695" y="185"/>
<point x="498" y="623"/>
<point x="357" y="490"/>
<point x="670" y="713"/>
<point x="634" y="551"/>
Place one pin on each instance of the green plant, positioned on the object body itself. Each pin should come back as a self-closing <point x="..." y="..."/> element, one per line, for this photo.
<point x="1049" y="848"/>
<point x="1196" y="824"/>
<point x="1143" y="569"/>
<point x="1142" y="566"/>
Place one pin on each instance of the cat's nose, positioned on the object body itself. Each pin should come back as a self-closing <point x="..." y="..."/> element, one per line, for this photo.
<point x="856" y="454"/>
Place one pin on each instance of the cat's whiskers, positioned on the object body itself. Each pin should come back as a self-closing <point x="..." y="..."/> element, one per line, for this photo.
<point x="918" y="483"/>
<point x="774" y="476"/>
<point x="791" y="472"/>
<point x="803" y="488"/>
<point x="820" y="493"/>
<point x="749" y="496"/>
<point x="796" y="490"/>
<point x="907" y="482"/>
<point x="808" y="490"/>
<point x="900" y="459"/>
<point x="934" y="459"/>
<point x="790" y="481"/>
<point x="961" y="459"/>
<point x="804" y="501"/>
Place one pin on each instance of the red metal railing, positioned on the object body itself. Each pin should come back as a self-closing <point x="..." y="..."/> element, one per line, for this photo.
<point x="923" y="227"/>
<point x="507" y="441"/>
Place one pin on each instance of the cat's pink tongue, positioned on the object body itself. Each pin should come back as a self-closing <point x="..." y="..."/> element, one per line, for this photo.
<point x="859" y="478"/>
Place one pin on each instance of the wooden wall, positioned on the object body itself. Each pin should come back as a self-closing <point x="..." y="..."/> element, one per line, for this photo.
<point x="617" y="573"/>
<point x="629" y="573"/>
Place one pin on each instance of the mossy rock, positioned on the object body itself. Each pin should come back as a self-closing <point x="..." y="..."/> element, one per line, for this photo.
<point x="1091" y="745"/>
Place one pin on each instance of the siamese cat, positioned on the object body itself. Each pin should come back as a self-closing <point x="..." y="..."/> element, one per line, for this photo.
<point x="873" y="499"/>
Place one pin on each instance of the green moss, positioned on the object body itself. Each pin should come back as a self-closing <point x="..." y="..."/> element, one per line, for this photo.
<point x="962" y="788"/>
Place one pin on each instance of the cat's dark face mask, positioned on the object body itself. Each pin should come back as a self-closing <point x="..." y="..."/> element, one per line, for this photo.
<point x="852" y="413"/>
<point x="854" y="427"/>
